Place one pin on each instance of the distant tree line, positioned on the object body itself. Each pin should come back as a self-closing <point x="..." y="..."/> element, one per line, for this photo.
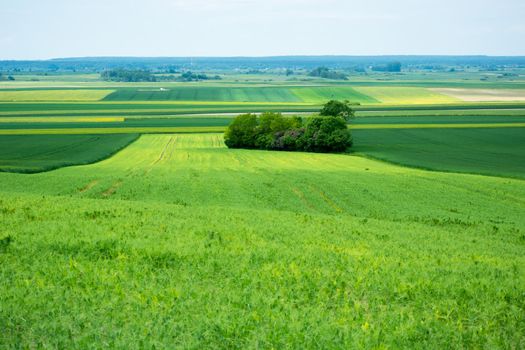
<point x="126" y="75"/>
<point x="9" y="77"/>
<point x="190" y="76"/>
<point x="326" y="132"/>
<point x="137" y="75"/>
<point x="324" y="72"/>
<point x="389" y="67"/>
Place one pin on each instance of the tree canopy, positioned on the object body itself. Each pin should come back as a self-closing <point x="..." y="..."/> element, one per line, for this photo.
<point x="125" y="75"/>
<point x="273" y="131"/>
<point x="336" y="108"/>
<point x="190" y="76"/>
<point x="324" y="72"/>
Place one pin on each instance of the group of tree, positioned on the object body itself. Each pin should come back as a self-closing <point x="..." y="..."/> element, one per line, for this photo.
<point x="190" y="76"/>
<point x="126" y="75"/>
<point x="9" y="77"/>
<point x="389" y="67"/>
<point x="324" y="72"/>
<point x="326" y="132"/>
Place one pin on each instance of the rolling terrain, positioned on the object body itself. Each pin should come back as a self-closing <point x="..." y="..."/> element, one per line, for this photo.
<point x="195" y="245"/>
<point x="126" y="222"/>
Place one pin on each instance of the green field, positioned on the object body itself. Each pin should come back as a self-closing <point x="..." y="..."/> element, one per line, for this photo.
<point x="179" y="242"/>
<point x="37" y="153"/>
<point x="125" y="222"/>
<point x="53" y="95"/>
<point x="491" y="151"/>
<point x="319" y="94"/>
<point x="393" y="95"/>
<point x="202" y="93"/>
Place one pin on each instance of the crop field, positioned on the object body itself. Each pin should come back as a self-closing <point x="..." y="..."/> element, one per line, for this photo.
<point x="477" y="95"/>
<point x="37" y="120"/>
<point x="406" y="95"/>
<point x="490" y="151"/>
<point x="126" y="222"/>
<point x="321" y="95"/>
<point x="37" y="153"/>
<point x="202" y="93"/>
<point x="392" y="95"/>
<point x="100" y="109"/>
<point x="53" y="95"/>
<point x="318" y="94"/>
<point x="177" y="241"/>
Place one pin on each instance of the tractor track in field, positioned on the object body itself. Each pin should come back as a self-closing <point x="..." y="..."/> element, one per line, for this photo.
<point x="111" y="190"/>
<point x="88" y="186"/>
<point x="164" y="151"/>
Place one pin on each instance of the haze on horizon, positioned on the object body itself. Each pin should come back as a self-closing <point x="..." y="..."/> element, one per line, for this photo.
<point x="32" y="29"/>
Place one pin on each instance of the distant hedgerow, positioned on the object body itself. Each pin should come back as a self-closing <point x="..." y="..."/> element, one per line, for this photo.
<point x="273" y="131"/>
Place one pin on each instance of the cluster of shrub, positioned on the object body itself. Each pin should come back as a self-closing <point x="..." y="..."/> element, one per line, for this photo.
<point x="326" y="132"/>
<point x="326" y="73"/>
<point x="126" y="75"/>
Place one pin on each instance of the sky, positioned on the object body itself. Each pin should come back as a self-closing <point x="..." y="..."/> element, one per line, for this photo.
<point x="37" y="29"/>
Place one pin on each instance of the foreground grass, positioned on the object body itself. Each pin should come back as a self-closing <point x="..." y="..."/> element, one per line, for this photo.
<point x="179" y="242"/>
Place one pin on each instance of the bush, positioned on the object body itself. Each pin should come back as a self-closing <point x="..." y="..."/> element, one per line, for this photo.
<point x="273" y="131"/>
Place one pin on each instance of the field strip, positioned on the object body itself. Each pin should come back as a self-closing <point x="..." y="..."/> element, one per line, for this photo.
<point x="225" y="109"/>
<point x="483" y="95"/>
<point x="89" y="131"/>
<point x="166" y="103"/>
<point x="215" y="129"/>
<point x="53" y="95"/>
<point x="61" y="119"/>
<point x="438" y="126"/>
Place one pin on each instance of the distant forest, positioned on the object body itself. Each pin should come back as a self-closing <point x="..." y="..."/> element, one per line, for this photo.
<point x="309" y="63"/>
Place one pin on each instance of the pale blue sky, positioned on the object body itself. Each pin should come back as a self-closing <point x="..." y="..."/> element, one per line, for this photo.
<point x="32" y="29"/>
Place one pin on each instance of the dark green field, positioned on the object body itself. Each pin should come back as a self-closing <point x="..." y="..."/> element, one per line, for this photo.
<point x="204" y="93"/>
<point x="35" y="153"/>
<point x="482" y="151"/>
<point x="232" y="94"/>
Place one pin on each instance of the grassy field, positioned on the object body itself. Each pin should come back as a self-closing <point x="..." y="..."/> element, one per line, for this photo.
<point x="179" y="242"/>
<point x="37" y="153"/>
